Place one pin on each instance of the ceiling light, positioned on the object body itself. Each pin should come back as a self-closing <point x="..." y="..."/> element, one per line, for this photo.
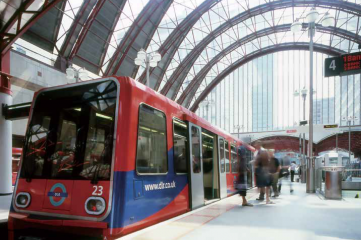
<point x="328" y="20"/>
<point x="142" y="55"/>
<point x="296" y="27"/>
<point x="138" y="61"/>
<point x="312" y="16"/>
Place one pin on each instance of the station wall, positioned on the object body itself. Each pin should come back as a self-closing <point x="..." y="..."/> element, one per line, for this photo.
<point x="35" y="73"/>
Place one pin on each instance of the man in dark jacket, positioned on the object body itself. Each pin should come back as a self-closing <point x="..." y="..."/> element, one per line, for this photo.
<point x="258" y="146"/>
<point x="275" y="171"/>
<point x="242" y="181"/>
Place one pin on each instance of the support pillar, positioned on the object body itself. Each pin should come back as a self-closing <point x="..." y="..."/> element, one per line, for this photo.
<point x="5" y="128"/>
<point x="5" y="139"/>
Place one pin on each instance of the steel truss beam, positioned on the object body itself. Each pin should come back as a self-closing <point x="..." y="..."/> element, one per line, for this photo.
<point x="7" y="38"/>
<point x="259" y="53"/>
<point x="44" y="32"/>
<point x="138" y="36"/>
<point x="73" y="33"/>
<point x="93" y="25"/>
<point x="176" y="80"/>
<point x="172" y="43"/>
<point x="192" y="88"/>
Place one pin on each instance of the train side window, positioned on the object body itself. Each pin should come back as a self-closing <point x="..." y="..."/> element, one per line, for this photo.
<point x="152" y="142"/>
<point x="227" y="157"/>
<point x="234" y="159"/>
<point x="180" y="144"/>
<point x="196" y="150"/>
<point x="221" y="150"/>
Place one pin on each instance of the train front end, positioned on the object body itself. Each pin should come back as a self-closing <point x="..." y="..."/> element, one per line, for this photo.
<point x="66" y="177"/>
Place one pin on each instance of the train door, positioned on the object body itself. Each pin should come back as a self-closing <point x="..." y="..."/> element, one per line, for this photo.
<point x="210" y="166"/>
<point x="222" y="168"/>
<point x="195" y="166"/>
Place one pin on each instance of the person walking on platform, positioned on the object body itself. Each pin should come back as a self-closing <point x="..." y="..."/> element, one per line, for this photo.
<point x="258" y="146"/>
<point x="293" y="169"/>
<point x="263" y="177"/>
<point x="242" y="181"/>
<point x="274" y="169"/>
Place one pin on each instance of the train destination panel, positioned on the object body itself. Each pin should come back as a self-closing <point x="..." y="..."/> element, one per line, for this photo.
<point x="344" y="65"/>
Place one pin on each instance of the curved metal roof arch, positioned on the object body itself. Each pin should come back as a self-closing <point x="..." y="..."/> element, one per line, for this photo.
<point x="192" y="88"/>
<point x="174" y="40"/>
<point x="12" y="24"/>
<point x="259" y="53"/>
<point x="174" y="83"/>
<point x="138" y="36"/>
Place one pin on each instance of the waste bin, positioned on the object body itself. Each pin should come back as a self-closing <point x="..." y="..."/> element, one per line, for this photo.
<point x="333" y="182"/>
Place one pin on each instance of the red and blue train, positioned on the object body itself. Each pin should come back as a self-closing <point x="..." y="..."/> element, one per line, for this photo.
<point x="110" y="156"/>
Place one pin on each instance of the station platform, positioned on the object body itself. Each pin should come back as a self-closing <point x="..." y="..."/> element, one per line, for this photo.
<point x="295" y="215"/>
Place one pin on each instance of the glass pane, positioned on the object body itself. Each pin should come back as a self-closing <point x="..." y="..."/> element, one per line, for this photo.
<point x="73" y="140"/>
<point x="63" y="158"/>
<point x="152" y="142"/>
<point x="234" y="160"/>
<point x="180" y="144"/>
<point x="35" y="154"/>
<point x="196" y="153"/>
<point x="221" y="150"/>
<point x="207" y="152"/>
<point x="227" y="158"/>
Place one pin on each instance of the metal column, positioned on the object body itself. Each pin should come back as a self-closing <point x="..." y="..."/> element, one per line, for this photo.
<point x="310" y="184"/>
<point x="6" y="138"/>
<point x="304" y="159"/>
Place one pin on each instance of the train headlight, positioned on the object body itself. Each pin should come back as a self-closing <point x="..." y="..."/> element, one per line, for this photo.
<point x="22" y="200"/>
<point x="95" y="205"/>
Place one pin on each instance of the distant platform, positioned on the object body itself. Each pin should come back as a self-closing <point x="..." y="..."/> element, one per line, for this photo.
<point x="295" y="216"/>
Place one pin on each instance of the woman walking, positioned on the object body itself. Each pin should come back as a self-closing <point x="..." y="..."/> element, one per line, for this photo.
<point x="263" y="176"/>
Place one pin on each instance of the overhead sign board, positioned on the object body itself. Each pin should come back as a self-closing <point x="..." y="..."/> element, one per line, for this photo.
<point x="297" y="130"/>
<point x="304" y="122"/>
<point x="330" y="126"/>
<point x="317" y="128"/>
<point x="344" y="65"/>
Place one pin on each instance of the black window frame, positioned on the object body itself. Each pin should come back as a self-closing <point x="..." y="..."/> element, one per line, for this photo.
<point x="47" y="165"/>
<point x="187" y="146"/>
<point x="231" y="163"/>
<point x="226" y="150"/>
<point x="224" y="153"/>
<point x="166" y="142"/>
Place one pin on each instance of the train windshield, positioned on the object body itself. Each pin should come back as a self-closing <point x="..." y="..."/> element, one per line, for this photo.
<point x="70" y="135"/>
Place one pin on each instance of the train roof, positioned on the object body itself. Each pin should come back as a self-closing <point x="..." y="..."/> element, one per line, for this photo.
<point x="188" y="115"/>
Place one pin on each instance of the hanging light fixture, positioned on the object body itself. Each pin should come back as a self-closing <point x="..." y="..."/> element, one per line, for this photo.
<point x="296" y="27"/>
<point x="153" y="63"/>
<point x="312" y="16"/>
<point x="157" y="57"/>
<point x="328" y="20"/>
<point x="142" y="55"/>
<point x="70" y="73"/>
<point x="304" y="91"/>
<point x="296" y="93"/>
<point x="138" y="61"/>
<point x="83" y="75"/>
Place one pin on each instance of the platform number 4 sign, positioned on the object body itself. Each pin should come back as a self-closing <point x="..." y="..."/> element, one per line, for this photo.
<point x="333" y="66"/>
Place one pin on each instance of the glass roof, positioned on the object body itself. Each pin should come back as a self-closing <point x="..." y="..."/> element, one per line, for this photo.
<point x="343" y="20"/>
<point x="252" y="46"/>
<point x="130" y="12"/>
<point x="220" y="14"/>
<point x="71" y="9"/>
